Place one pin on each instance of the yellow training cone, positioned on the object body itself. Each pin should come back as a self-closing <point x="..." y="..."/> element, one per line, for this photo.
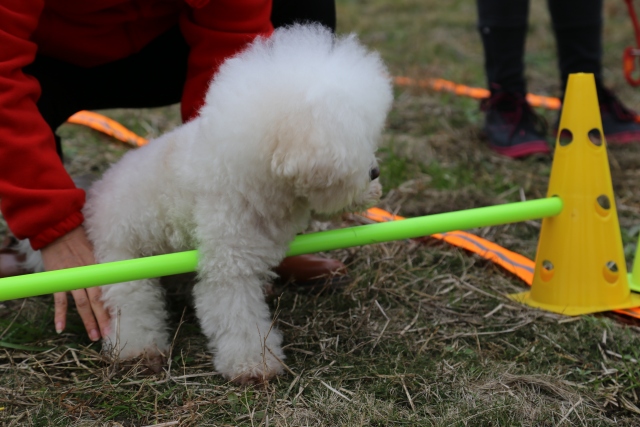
<point x="580" y="264"/>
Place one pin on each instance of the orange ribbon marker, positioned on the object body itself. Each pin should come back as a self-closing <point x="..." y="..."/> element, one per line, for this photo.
<point x="108" y="126"/>
<point x="441" y="85"/>
<point x="513" y="262"/>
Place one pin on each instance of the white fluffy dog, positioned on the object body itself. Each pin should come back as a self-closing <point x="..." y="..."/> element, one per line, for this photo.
<point x="289" y="129"/>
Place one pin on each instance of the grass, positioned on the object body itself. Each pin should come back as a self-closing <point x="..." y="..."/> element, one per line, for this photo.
<point x="423" y="335"/>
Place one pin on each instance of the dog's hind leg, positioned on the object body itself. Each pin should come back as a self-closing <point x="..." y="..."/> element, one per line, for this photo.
<point x="236" y="319"/>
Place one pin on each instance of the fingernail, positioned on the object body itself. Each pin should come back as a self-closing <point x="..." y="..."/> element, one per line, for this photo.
<point x="94" y="335"/>
<point x="59" y="327"/>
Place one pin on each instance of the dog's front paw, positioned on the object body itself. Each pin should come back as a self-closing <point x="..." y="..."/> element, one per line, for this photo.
<point x="150" y="363"/>
<point x="248" y="364"/>
<point x="134" y="346"/>
<point x="129" y="350"/>
<point x="255" y="370"/>
<point x="258" y="379"/>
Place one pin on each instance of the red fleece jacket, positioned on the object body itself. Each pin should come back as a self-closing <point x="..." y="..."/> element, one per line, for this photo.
<point x="37" y="197"/>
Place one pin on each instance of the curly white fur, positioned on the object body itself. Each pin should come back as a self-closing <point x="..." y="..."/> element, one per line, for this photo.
<point x="289" y="128"/>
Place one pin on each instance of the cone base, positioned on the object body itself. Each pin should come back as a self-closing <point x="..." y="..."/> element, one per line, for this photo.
<point x="631" y="301"/>
<point x="633" y="285"/>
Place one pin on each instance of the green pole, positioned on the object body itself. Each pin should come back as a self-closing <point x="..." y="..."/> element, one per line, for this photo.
<point x="634" y="276"/>
<point x="183" y="262"/>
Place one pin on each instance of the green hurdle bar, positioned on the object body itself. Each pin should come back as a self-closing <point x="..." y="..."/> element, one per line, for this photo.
<point x="184" y="262"/>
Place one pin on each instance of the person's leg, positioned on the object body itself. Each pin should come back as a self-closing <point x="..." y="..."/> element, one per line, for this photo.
<point x="288" y="12"/>
<point x="577" y="25"/>
<point x="511" y="126"/>
<point x="153" y="77"/>
<point x="503" y="28"/>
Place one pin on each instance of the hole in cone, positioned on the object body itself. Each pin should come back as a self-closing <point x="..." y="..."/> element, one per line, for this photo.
<point x="547" y="270"/>
<point x="565" y="137"/>
<point x="595" y="137"/>
<point x="604" y="202"/>
<point x="603" y="205"/>
<point x="610" y="272"/>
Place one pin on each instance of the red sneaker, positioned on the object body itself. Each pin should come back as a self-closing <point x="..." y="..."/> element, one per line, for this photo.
<point x="618" y="122"/>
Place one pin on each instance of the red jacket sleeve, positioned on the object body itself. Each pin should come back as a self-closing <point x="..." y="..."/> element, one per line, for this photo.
<point x="37" y="197"/>
<point x="215" y="31"/>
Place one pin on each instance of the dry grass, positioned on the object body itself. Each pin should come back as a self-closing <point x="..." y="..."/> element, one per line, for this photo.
<point x="423" y="335"/>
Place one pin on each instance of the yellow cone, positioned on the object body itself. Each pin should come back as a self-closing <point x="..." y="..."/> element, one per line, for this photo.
<point x="580" y="265"/>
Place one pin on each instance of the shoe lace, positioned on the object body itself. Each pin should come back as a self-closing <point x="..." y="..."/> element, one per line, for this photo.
<point x="515" y="109"/>
<point x="609" y="102"/>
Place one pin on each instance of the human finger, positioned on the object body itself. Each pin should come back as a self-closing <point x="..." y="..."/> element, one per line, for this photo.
<point x="83" y="304"/>
<point x="60" y="311"/>
<point x="100" y="313"/>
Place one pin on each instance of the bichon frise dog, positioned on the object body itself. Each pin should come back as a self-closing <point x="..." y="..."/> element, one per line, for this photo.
<point x="289" y="129"/>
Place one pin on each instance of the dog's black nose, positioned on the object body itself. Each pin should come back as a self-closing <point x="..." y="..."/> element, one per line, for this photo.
<point x="374" y="173"/>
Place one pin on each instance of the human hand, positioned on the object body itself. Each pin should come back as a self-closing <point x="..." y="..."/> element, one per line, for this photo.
<point x="75" y="250"/>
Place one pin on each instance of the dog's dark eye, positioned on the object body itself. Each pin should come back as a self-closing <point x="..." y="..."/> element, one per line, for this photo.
<point x="374" y="173"/>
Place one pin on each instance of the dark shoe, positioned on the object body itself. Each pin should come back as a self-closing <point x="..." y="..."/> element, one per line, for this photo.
<point x="618" y="122"/>
<point x="512" y="127"/>
<point x="309" y="267"/>
<point x="311" y="272"/>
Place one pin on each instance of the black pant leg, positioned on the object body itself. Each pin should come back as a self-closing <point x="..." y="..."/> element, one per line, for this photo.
<point x="577" y="25"/>
<point x="287" y="12"/>
<point x="503" y="27"/>
<point x="153" y="77"/>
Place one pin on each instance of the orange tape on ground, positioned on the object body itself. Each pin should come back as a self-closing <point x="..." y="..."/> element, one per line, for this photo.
<point x="108" y="126"/>
<point x="441" y="85"/>
<point x="111" y="127"/>
<point x="513" y="262"/>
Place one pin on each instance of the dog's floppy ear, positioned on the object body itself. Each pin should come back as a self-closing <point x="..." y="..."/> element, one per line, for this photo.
<point x="308" y="163"/>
